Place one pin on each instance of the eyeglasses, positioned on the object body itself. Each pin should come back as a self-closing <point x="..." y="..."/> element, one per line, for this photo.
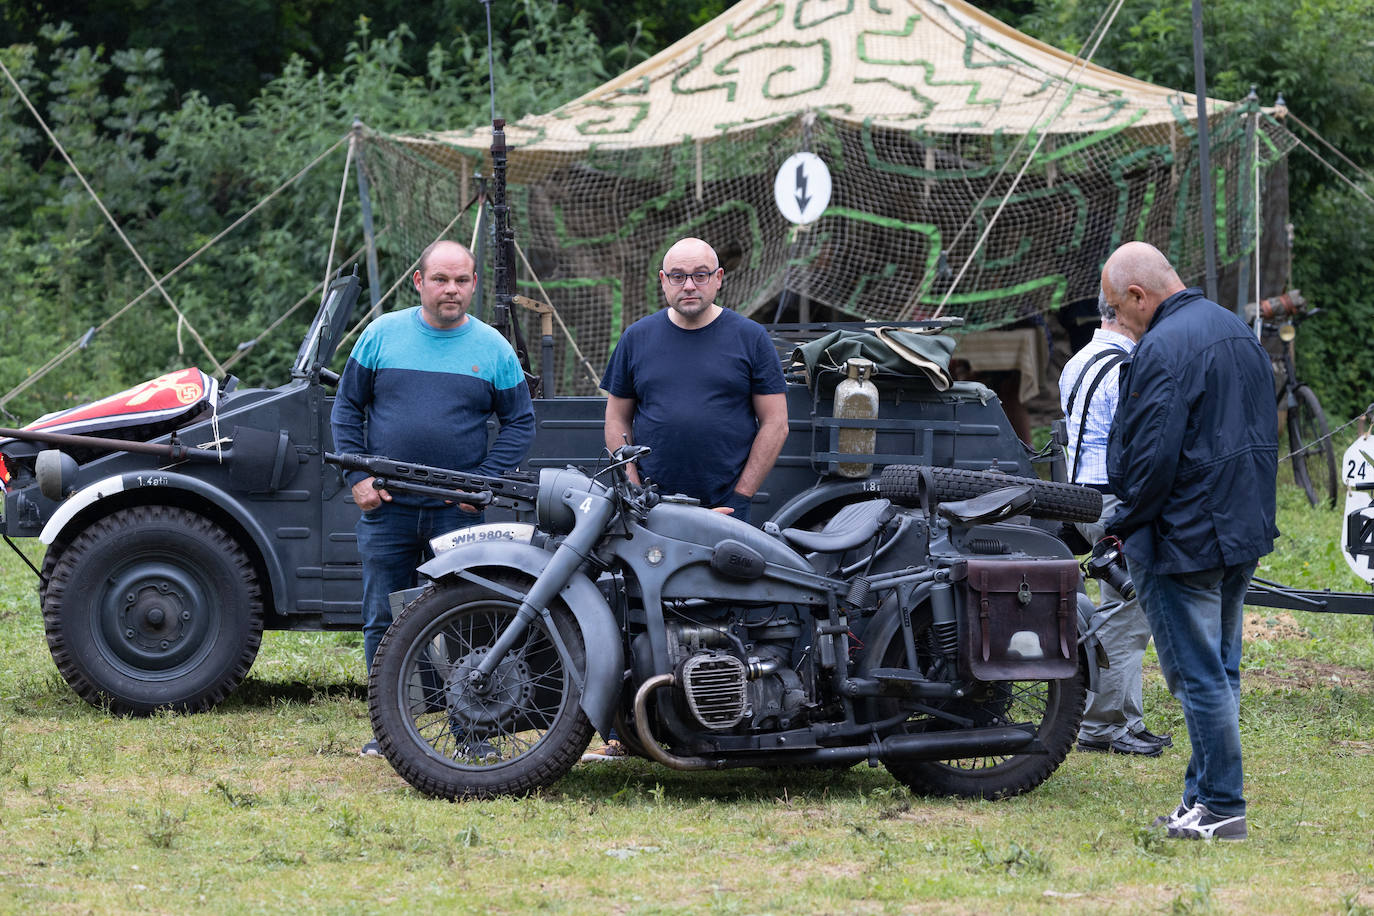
<point x="700" y="277"/>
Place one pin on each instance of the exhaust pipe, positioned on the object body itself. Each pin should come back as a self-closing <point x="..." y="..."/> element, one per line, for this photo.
<point x="942" y="745"/>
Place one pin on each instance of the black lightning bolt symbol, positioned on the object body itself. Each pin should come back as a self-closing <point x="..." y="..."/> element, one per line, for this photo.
<point x="802" y="199"/>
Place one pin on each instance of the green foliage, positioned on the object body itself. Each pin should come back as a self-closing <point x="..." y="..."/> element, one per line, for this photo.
<point x="174" y="175"/>
<point x="1318" y="54"/>
<point x="1334" y="267"/>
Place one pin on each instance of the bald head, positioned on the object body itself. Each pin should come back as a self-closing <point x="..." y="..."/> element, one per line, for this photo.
<point x="1135" y="280"/>
<point x="691" y="278"/>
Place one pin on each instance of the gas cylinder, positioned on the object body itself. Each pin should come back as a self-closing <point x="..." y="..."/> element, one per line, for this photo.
<point x="856" y="398"/>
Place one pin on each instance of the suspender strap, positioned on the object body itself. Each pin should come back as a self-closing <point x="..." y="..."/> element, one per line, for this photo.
<point x="1114" y="357"/>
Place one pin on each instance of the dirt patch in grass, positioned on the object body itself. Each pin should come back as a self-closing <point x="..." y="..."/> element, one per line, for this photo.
<point x="1305" y="673"/>
<point x="1272" y="627"/>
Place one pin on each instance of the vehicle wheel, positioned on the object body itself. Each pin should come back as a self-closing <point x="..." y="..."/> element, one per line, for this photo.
<point x="1309" y="439"/>
<point x="153" y="607"/>
<point x="1064" y="501"/>
<point x="450" y="738"/>
<point x="1053" y="707"/>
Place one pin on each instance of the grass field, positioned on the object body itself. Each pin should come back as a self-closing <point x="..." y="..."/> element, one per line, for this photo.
<point x="264" y="806"/>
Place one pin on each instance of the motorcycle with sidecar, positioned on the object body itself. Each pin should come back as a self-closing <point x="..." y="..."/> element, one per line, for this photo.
<point x="937" y="628"/>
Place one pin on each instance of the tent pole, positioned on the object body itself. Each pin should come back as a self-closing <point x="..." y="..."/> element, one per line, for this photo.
<point x="1249" y="206"/>
<point x="1209" y="208"/>
<point x="369" y="235"/>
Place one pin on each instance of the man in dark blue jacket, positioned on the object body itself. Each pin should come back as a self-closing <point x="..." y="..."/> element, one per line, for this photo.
<point x="1193" y="455"/>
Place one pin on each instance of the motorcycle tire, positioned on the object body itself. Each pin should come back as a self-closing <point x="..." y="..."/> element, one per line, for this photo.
<point x="1063" y="501"/>
<point x="524" y="729"/>
<point x="1053" y="707"/>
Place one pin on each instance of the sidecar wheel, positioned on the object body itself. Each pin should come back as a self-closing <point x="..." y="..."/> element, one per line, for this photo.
<point x="1055" y="708"/>
<point x="448" y="737"/>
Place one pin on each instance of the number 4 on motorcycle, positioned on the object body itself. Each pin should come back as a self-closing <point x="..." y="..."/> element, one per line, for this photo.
<point x="954" y="650"/>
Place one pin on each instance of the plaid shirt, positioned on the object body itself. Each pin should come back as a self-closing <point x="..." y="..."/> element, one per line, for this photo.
<point x="1093" y="468"/>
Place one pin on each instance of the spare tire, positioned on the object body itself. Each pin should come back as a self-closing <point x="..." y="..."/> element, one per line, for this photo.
<point x="1065" y="501"/>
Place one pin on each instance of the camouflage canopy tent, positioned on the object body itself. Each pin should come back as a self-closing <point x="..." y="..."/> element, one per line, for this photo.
<point x="923" y="111"/>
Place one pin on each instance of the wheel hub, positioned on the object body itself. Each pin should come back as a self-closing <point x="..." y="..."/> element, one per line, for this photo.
<point x="485" y="703"/>
<point x="154" y="615"/>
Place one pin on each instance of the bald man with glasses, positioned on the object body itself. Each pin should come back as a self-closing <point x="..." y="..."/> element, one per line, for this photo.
<point x="699" y="384"/>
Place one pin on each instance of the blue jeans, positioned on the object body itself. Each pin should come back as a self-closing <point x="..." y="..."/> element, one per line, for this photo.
<point x="393" y="540"/>
<point x="1196" y="620"/>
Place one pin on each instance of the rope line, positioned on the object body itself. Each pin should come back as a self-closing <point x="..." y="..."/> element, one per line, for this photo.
<point x="1020" y="141"/>
<point x="71" y="348"/>
<point x="1081" y="64"/>
<point x="109" y="218"/>
<point x="591" y="371"/>
<point x="338" y="211"/>
<point x="1339" y="174"/>
<point x="1346" y="159"/>
<point x="1368" y="411"/>
<point x="405" y="275"/>
<point x="247" y="347"/>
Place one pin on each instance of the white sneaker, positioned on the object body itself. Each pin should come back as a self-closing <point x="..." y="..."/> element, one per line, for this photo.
<point x="1202" y="824"/>
<point x="1175" y="817"/>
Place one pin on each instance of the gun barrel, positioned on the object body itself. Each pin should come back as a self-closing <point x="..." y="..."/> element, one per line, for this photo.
<point x="440" y="482"/>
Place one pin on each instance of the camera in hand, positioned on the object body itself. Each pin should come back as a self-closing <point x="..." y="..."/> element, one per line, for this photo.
<point x="1108" y="564"/>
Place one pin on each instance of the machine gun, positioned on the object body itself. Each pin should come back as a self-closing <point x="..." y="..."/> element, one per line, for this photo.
<point x="477" y="490"/>
<point x="503" y="262"/>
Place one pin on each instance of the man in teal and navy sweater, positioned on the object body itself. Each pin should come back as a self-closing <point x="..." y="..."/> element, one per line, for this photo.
<point x="420" y="386"/>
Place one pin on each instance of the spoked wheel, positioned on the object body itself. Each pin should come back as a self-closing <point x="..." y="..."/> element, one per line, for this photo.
<point x="453" y="734"/>
<point x="1309" y="439"/>
<point x="1053" y="708"/>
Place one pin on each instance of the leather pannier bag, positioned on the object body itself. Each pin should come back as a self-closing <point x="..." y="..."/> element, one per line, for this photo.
<point x="1019" y="619"/>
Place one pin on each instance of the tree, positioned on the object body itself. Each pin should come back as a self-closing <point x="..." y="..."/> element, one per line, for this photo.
<point x="173" y="175"/>
<point x="1318" y="55"/>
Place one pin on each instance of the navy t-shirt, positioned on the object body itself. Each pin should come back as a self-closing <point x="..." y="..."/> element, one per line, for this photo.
<point x="695" y="394"/>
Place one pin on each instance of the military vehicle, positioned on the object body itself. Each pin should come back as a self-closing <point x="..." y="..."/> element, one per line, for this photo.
<point x="176" y="535"/>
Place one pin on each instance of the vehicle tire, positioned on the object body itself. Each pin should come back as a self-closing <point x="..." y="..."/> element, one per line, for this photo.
<point x="1064" y="501"/>
<point x="1309" y="439"/>
<point x="1053" y="707"/>
<point x="153" y="607"/>
<point x="524" y="730"/>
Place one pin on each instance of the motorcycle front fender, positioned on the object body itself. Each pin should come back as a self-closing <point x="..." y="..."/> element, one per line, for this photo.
<point x="600" y="635"/>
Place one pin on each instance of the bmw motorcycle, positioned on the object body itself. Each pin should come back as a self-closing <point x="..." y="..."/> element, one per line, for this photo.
<point x="938" y="628"/>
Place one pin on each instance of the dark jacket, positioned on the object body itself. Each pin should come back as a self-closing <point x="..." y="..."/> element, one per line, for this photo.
<point x="1193" y="452"/>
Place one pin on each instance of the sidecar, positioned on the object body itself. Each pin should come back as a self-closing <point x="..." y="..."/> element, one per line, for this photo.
<point x="934" y="635"/>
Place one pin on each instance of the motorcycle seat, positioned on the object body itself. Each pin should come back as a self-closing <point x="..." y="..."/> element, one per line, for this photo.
<point x="993" y="506"/>
<point x="853" y="525"/>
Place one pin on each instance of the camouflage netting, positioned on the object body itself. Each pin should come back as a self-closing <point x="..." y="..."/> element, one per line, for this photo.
<point x="914" y="106"/>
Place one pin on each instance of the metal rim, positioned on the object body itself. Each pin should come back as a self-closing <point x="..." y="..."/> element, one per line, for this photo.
<point x="480" y="726"/>
<point x="154" y="616"/>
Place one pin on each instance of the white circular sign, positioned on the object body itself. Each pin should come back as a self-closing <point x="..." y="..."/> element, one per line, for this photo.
<point x="1357" y="528"/>
<point x="802" y="188"/>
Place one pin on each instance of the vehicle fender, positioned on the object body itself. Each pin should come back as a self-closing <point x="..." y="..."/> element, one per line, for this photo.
<point x="600" y="634"/>
<point x="162" y="481"/>
<point x="812" y="498"/>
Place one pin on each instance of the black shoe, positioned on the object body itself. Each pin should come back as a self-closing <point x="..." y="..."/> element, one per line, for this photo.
<point x="1126" y="744"/>
<point x="1162" y="740"/>
<point x="371" y="749"/>
<point x="1201" y="824"/>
